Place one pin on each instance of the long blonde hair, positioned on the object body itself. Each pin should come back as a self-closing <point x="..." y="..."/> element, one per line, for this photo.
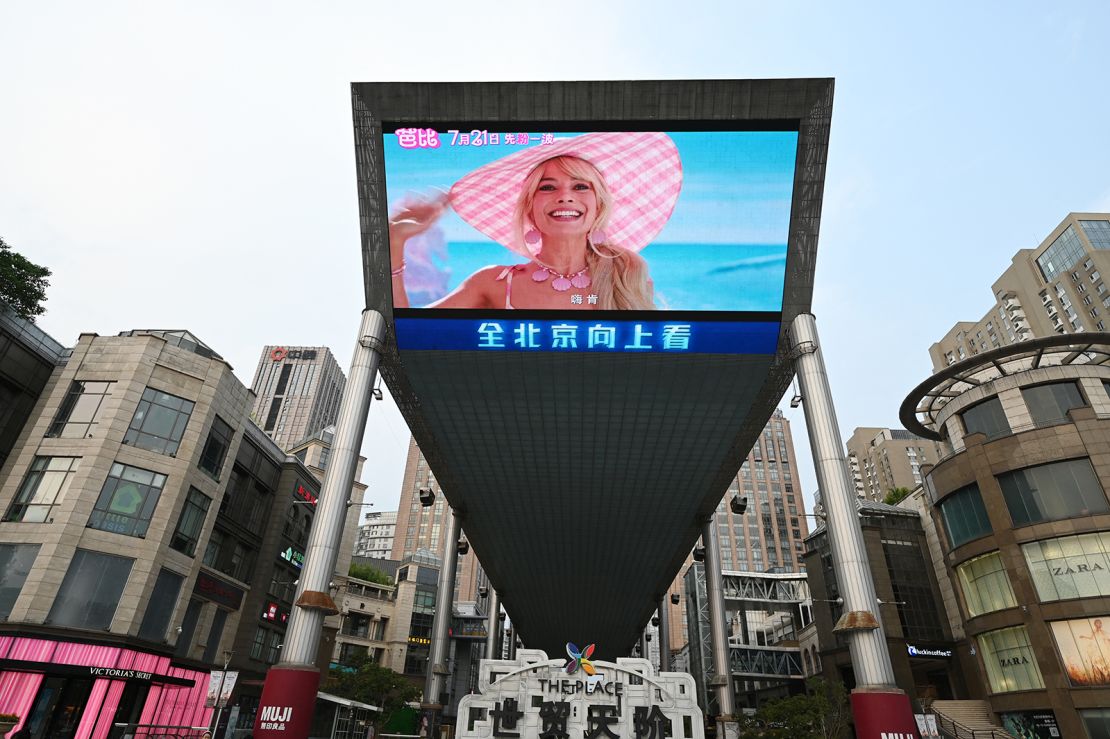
<point x="618" y="277"/>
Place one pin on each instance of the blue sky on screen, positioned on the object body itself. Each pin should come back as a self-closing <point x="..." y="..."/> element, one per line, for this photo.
<point x="736" y="185"/>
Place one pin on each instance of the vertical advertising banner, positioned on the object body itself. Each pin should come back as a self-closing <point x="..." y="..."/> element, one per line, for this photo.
<point x="1084" y="645"/>
<point x="660" y="241"/>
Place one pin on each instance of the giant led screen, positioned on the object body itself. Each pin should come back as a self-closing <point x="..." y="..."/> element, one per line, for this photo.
<point x="540" y="239"/>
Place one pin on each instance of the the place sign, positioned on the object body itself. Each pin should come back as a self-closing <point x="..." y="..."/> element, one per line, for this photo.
<point x="535" y="696"/>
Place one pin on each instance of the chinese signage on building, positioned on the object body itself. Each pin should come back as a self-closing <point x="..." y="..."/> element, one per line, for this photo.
<point x="534" y="696"/>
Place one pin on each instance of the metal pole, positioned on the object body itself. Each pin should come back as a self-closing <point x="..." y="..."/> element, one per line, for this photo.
<point x="291" y="685"/>
<point x="445" y="594"/>
<point x="866" y="641"/>
<point x="314" y="602"/>
<point x="726" y="722"/>
<point x="493" y="624"/>
<point x="664" y="633"/>
<point x="219" y="705"/>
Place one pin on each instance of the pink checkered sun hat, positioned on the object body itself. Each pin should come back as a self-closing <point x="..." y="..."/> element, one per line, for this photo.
<point x="642" y="170"/>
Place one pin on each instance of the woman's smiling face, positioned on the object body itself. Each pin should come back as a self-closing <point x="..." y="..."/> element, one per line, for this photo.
<point x="563" y="205"/>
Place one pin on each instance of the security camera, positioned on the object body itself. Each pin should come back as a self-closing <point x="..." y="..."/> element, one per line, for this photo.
<point x="427" y="497"/>
<point x="483" y="591"/>
<point x="738" y="505"/>
<point x="654" y="620"/>
<point x="377" y="393"/>
<point x="464" y="546"/>
<point x="675" y="597"/>
<point x="699" y="554"/>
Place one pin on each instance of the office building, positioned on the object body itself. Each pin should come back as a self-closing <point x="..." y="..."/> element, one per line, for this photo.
<point x="1055" y="288"/>
<point x="297" y="392"/>
<point x="918" y="633"/>
<point x="1021" y="508"/>
<point x="375" y="534"/>
<point x="882" y="459"/>
<point x="769" y="536"/>
<point x="150" y="530"/>
<point x="419" y="527"/>
<point x="106" y="516"/>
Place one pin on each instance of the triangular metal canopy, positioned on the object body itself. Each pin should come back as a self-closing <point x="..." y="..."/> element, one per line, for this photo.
<point x="584" y="479"/>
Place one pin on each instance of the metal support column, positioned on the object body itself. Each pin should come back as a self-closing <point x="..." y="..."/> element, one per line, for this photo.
<point x="876" y="700"/>
<point x="722" y="675"/>
<point x="445" y="595"/>
<point x="493" y="624"/>
<point x="664" y="634"/>
<point x="294" y="680"/>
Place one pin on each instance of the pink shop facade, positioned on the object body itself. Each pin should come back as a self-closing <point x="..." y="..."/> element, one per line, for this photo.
<point x="79" y="690"/>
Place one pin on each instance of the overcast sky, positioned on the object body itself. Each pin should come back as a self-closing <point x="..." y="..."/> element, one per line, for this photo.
<point x="190" y="164"/>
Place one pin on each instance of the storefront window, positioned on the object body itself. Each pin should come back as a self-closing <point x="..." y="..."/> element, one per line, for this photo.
<point x="1097" y="722"/>
<point x="1009" y="660"/>
<point x="985" y="584"/>
<point x="1070" y="566"/>
<point x="1053" y="491"/>
<point x="1050" y="403"/>
<point x="90" y="590"/>
<point x="986" y="418"/>
<point x="15" y="564"/>
<point x="1084" y="645"/>
<point x="159" y="609"/>
<point x="964" y="516"/>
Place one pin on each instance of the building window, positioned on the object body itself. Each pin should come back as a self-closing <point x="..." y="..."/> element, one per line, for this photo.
<point x="1084" y="646"/>
<point x="215" y="448"/>
<point x="1097" y="722"/>
<point x="160" y="607"/>
<point x="15" y="565"/>
<point x="986" y="418"/>
<point x="1070" y="566"/>
<point x="191" y="522"/>
<point x="1061" y="254"/>
<point x="80" y="410"/>
<point x="1009" y="660"/>
<point x="159" y="422"/>
<point x="1098" y="233"/>
<point x="44" y="488"/>
<point x="1050" y="403"/>
<point x="985" y="584"/>
<point x="127" y="500"/>
<point x="1052" y="491"/>
<point x="964" y="516"/>
<point x="90" y="590"/>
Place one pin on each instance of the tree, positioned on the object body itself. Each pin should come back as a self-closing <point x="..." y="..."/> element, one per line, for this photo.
<point x="362" y="680"/>
<point x="369" y="573"/>
<point x="894" y="496"/>
<point x="819" y="713"/>
<point x="22" y="283"/>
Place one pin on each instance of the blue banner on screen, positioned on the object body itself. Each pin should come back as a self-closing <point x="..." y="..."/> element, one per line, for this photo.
<point x="588" y="335"/>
